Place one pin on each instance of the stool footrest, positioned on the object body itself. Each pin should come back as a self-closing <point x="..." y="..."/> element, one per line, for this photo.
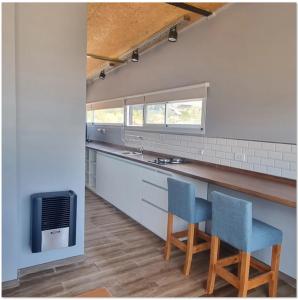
<point x="258" y="265"/>
<point x="178" y="244"/>
<point x="260" y="280"/>
<point x="227" y="261"/>
<point x="201" y="247"/>
<point x="227" y="275"/>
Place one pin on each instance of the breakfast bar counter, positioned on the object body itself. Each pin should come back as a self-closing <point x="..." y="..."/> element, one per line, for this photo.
<point x="271" y="188"/>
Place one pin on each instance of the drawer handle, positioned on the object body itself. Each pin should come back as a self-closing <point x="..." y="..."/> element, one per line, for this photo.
<point x="155" y="185"/>
<point x="148" y="202"/>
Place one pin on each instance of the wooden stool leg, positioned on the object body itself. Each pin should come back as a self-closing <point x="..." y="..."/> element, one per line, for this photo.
<point x="196" y="233"/>
<point x="214" y="250"/>
<point x="189" y="249"/>
<point x="239" y="266"/>
<point x="275" y="258"/>
<point x="169" y="234"/>
<point x="244" y="273"/>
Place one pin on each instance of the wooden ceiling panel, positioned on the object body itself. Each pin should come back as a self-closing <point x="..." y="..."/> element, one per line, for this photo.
<point x="116" y="28"/>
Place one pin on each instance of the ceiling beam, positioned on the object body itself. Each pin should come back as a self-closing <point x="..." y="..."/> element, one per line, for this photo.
<point x="115" y="60"/>
<point x="191" y="8"/>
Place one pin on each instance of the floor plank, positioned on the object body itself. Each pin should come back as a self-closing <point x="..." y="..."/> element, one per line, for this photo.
<point x="127" y="259"/>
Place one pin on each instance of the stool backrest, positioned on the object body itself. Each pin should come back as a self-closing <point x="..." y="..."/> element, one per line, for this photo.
<point x="181" y="199"/>
<point x="232" y="220"/>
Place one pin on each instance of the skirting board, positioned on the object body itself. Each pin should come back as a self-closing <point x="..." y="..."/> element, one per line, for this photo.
<point x="50" y="265"/>
<point x="10" y="284"/>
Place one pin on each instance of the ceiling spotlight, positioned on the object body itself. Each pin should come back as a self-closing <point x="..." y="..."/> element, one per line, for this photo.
<point x="173" y="35"/>
<point x="135" y="56"/>
<point x="102" y="75"/>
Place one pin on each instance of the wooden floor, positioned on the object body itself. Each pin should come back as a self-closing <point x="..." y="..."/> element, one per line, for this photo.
<point x="127" y="259"/>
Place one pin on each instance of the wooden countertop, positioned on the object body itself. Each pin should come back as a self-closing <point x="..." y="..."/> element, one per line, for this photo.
<point x="272" y="188"/>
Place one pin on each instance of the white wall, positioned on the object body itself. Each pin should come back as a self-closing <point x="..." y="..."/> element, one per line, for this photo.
<point x="9" y="154"/>
<point x="248" y="54"/>
<point x="50" y="93"/>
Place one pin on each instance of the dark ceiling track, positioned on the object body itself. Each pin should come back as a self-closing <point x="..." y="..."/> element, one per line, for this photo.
<point x="191" y="8"/>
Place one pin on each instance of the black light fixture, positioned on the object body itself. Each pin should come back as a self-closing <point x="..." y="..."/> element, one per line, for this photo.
<point x="173" y="35"/>
<point x="102" y="75"/>
<point x="135" y="56"/>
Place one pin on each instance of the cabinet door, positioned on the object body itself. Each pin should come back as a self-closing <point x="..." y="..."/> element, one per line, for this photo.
<point x="118" y="182"/>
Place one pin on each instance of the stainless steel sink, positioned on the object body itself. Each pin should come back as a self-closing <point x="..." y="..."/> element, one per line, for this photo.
<point x="131" y="153"/>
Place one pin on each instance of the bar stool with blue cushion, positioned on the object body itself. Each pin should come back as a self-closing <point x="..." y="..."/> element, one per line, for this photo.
<point x="232" y="222"/>
<point x="183" y="203"/>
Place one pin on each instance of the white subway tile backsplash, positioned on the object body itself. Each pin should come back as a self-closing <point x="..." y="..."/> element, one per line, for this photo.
<point x="211" y="140"/>
<point x="220" y="154"/>
<point x="242" y="143"/>
<point x="267" y="162"/>
<point x="230" y="155"/>
<point x="232" y="142"/>
<point x="236" y="149"/>
<point x="254" y="145"/>
<point x="275" y="155"/>
<point x="282" y="164"/>
<point x="254" y="160"/>
<point x="268" y="146"/>
<point x="225" y="162"/>
<point x="289" y="156"/>
<point x="240" y="157"/>
<point x="221" y="141"/>
<point x="261" y="153"/>
<point x="247" y="166"/>
<point x="259" y="168"/>
<point x="269" y="158"/>
<point x="236" y="164"/>
<point x="288" y="174"/>
<point x="283" y="147"/>
<point x="274" y="171"/>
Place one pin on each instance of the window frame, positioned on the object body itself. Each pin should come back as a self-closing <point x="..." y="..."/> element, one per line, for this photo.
<point x="110" y="124"/>
<point x="151" y="125"/>
<point x="90" y="123"/>
<point x="172" y="128"/>
<point x="126" y="110"/>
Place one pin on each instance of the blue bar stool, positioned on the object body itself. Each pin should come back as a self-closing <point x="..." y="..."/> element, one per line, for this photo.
<point x="232" y="222"/>
<point x="183" y="203"/>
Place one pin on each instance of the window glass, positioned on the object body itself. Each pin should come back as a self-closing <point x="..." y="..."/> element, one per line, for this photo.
<point x="135" y="115"/>
<point x="109" y="116"/>
<point x="89" y="116"/>
<point x="155" y="113"/>
<point x="184" y="113"/>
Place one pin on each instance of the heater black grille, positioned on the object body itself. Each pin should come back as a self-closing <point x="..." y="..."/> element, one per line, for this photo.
<point x="55" y="213"/>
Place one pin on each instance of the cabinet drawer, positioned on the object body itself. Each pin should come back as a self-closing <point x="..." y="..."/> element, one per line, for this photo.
<point x="157" y="177"/>
<point x="156" y="195"/>
<point x="154" y="219"/>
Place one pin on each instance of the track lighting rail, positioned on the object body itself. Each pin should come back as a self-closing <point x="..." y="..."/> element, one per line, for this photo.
<point x="191" y="8"/>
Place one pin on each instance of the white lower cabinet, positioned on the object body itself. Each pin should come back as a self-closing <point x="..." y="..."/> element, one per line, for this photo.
<point x="139" y="191"/>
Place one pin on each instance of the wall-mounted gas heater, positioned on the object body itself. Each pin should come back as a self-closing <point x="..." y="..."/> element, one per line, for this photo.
<point x="53" y="220"/>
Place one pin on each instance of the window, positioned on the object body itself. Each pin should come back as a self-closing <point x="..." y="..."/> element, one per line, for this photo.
<point x="177" y="110"/>
<point x="109" y="116"/>
<point x="155" y="113"/>
<point x="135" y="115"/>
<point x="89" y="116"/>
<point x="184" y="113"/>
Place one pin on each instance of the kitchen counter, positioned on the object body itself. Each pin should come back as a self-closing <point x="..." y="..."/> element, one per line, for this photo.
<point x="271" y="188"/>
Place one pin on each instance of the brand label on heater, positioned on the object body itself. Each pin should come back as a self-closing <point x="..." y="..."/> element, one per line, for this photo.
<point x="54" y="238"/>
